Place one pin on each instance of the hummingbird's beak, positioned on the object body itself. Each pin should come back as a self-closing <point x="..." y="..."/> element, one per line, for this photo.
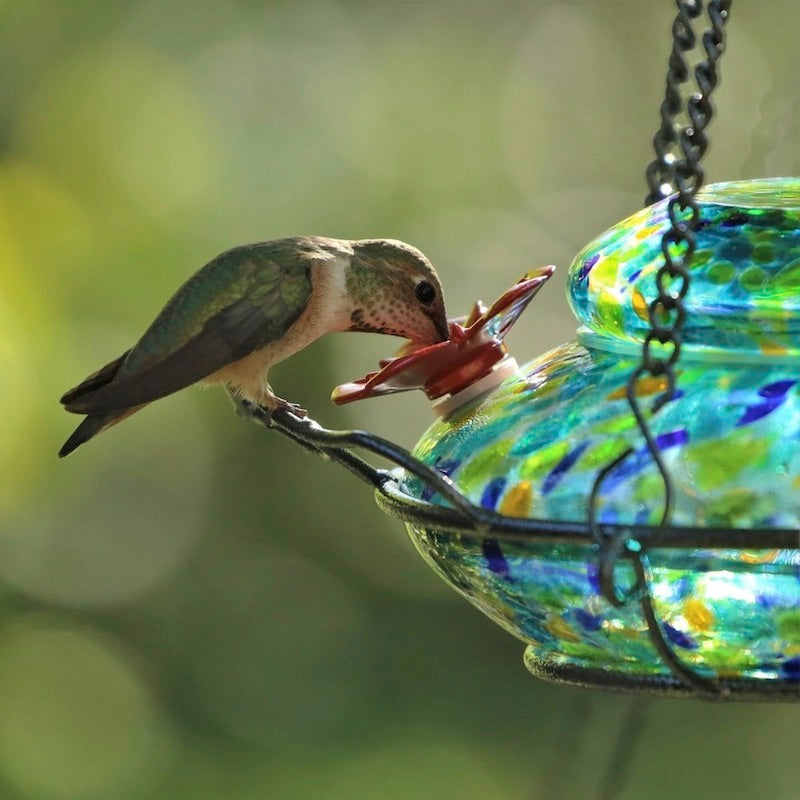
<point x="442" y="328"/>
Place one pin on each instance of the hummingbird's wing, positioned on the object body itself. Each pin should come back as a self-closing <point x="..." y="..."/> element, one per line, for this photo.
<point x="238" y="303"/>
<point x="97" y="379"/>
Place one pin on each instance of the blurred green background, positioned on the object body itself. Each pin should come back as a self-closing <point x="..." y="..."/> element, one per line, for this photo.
<point x="191" y="608"/>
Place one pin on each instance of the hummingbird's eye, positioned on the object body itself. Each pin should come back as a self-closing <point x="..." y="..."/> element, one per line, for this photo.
<point x="426" y="294"/>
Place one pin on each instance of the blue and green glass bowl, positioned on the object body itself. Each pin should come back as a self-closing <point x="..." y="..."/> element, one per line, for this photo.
<point x="533" y="447"/>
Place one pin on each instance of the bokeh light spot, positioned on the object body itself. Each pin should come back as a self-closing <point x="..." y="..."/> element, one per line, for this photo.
<point x="121" y="117"/>
<point x="276" y="646"/>
<point x="128" y="508"/>
<point x="433" y="764"/>
<point x="77" y="721"/>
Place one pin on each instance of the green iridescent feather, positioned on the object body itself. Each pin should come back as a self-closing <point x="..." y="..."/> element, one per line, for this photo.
<point x="265" y="283"/>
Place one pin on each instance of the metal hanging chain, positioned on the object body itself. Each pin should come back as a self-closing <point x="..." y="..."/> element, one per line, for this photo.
<point x="681" y="178"/>
<point x="660" y="173"/>
<point x="667" y="314"/>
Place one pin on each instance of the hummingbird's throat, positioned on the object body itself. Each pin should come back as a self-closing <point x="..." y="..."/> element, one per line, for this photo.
<point x="360" y="322"/>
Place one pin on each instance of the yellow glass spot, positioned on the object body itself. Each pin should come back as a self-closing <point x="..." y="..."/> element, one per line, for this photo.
<point x="517" y="502"/>
<point x="486" y="462"/>
<point x="543" y="460"/>
<point x="615" y="627"/>
<point x="639" y="305"/>
<point x="729" y="674"/>
<point x="771" y="348"/>
<point x="644" y="233"/>
<point x="698" y="614"/>
<point x="712" y="467"/>
<point x="616" y="424"/>
<point x="548" y="386"/>
<point x="561" y="630"/>
<point x="609" y="309"/>
<point x="603" y="274"/>
<point x="644" y="388"/>
<point x="601" y="454"/>
<point x="723" y="382"/>
<point x="759" y="556"/>
<point x="787" y="623"/>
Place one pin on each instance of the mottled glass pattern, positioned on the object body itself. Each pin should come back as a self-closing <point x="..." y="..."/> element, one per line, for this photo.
<point x="745" y="271"/>
<point x="729" y="437"/>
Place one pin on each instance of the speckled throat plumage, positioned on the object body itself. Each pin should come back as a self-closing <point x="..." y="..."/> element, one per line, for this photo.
<point x="381" y="281"/>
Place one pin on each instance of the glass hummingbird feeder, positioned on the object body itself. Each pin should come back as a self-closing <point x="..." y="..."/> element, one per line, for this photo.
<point x="627" y="504"/>
<point x="724" y="582"/>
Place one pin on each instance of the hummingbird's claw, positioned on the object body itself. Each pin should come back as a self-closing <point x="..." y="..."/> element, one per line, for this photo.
<point x="292" y="408"/>
<point x="263" y="413"/>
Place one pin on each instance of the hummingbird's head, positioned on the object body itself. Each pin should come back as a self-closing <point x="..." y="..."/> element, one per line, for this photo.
<point x="395" y="290"/>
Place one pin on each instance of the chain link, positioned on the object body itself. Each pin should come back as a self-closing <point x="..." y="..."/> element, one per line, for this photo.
<point x="659" y="173"/>
<point x="683" y="176"/>
<point x="666" y="174"/>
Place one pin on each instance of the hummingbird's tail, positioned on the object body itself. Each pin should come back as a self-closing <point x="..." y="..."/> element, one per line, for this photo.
<point x="91" y="426"/>
<point x="94" y="423"/>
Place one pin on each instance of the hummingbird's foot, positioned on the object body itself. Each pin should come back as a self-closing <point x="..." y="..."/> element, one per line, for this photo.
<point x="263" y="412"/>
<point x="292" y="408"/>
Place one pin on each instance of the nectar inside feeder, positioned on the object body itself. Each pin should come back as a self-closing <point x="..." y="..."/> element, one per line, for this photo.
<point x="527" y="444"/>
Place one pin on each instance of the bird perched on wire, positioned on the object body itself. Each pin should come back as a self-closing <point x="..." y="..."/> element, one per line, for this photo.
<point x="255" y="305"/>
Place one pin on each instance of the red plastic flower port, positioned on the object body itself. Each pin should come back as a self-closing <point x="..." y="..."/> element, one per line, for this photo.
<point x="473" y="360"/>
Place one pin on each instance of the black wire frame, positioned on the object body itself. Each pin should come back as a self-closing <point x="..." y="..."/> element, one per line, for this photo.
<point x="462" y="518"/>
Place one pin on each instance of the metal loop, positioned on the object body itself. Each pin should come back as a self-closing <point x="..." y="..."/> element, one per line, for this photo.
<point x="678" y="246"/>
<point x="682" y="205"/>
<point x="668" y="295"/>
<point x="660" y="365"/>
<point x="673" y="316"/>
<point x="662" y="334"/>
<point x="610" y="552"/>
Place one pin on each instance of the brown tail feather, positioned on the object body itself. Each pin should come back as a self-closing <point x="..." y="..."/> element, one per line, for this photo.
<point x="91" y="426"/>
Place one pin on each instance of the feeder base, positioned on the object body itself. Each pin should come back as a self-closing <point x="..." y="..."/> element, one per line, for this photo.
<point x="742" y="690"/>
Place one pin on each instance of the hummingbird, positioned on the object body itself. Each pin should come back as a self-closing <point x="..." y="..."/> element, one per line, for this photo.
<point x="255" y="305"/>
